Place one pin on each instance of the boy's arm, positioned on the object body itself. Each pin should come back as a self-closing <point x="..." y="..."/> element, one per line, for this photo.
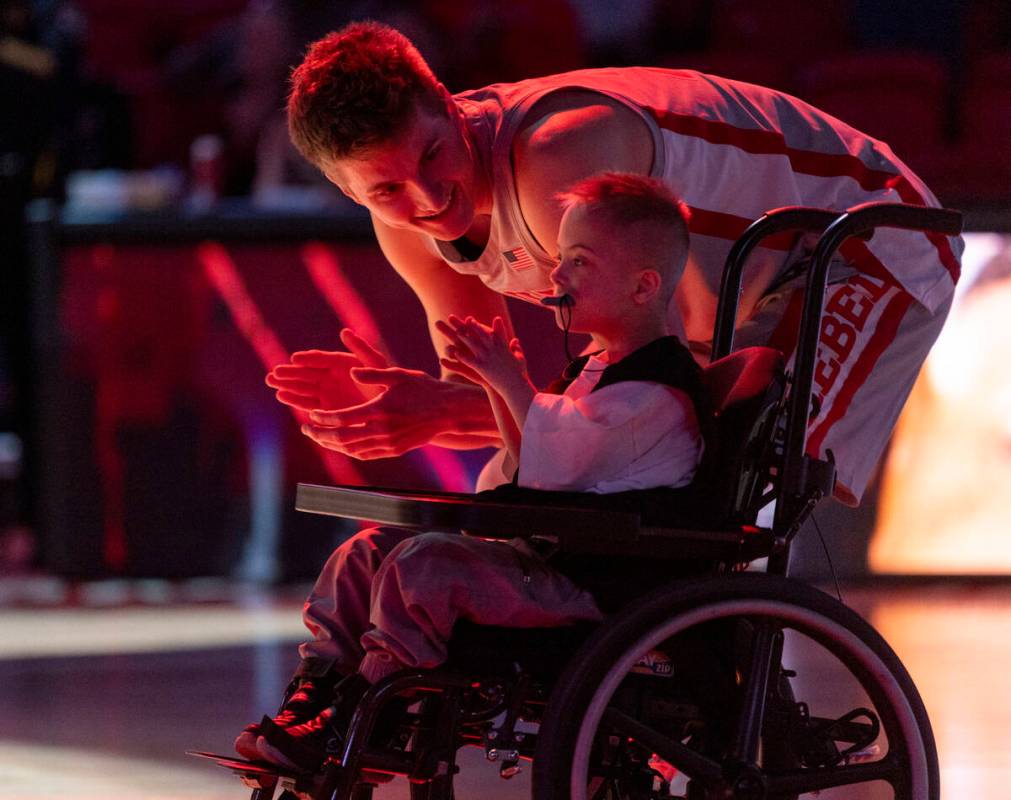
<point x="490" y="358"/>
<point x="511" y="434"/>
<point x="517" y="393"/>
<point x="508" y="434"/>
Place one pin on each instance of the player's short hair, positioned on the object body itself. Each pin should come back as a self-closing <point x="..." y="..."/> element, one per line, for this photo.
<point x="628" y="200"/>
<point x="355" y="88"/>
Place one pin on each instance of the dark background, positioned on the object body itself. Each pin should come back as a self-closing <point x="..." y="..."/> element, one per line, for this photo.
<point x="142" y="440"/>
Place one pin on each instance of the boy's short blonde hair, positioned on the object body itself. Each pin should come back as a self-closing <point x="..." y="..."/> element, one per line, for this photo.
<point x="638" y="202"/>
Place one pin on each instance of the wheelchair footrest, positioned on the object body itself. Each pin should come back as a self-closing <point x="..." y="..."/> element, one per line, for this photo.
<point x="255" y="774"/>
<point x="821" y="738"/>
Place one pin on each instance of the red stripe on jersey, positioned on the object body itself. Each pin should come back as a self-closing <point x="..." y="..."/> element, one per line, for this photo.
<point x="908" y="194"/>
<point x="860" y="256"/>
<point x="730" y="226"/>
<point x="884" y="334"/>
<point x="948" y="257"/>
<point x="762" y="142"/>
<point x="807" y="162"/>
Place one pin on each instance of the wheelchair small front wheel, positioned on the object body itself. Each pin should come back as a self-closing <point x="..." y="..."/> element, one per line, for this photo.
<point x="618" y="728"/>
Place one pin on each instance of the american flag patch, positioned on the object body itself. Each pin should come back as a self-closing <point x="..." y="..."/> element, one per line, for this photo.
<point x="518" y="258"/>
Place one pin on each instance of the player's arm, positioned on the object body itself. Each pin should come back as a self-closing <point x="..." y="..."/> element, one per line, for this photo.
<point x="461" y="406"/>
<point x="442" y="291"/>
<point x="410" y="408"/>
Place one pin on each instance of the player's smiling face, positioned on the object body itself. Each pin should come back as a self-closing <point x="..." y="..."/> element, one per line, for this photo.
<point x="424" y="179"/>
<point x="594" y="269"/>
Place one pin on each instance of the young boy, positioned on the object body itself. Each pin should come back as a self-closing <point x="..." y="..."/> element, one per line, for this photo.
<point x="388" y="599"/>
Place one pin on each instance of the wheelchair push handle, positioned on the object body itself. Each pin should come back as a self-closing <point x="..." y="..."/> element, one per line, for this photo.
<point x="860" y="220"/>
<point x="779" y="220"/>
<point x="863" y="218"/>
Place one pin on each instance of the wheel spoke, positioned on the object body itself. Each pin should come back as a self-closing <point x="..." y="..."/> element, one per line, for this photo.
<point x="756" y="689"/>
<point x="801" y="781"/>
<point x="688" y="761"/>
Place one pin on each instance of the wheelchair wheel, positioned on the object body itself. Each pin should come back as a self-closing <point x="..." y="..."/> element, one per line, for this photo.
<point x="857" y="729"/>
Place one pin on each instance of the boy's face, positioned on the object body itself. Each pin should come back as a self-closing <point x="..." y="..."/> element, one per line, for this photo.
<point x="425" y="179"/>
<point x="597" y="268"/>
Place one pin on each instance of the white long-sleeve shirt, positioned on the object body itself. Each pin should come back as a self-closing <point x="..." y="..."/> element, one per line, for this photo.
<point x="629" y="435"/>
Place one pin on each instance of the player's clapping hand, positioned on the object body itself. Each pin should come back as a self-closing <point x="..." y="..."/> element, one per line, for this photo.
<point x="316" y="379"/>
<point x="359" y="404"/>
<point x="485" y="355"/>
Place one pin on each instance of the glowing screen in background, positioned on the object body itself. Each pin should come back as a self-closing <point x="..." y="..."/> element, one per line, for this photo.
<point x="945" y="502"/>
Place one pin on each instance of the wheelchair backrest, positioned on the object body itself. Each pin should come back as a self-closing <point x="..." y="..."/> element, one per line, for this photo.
<point x="745" y="391"/>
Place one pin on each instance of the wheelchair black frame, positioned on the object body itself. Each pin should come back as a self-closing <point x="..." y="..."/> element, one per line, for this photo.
<point x="802" y="481"/>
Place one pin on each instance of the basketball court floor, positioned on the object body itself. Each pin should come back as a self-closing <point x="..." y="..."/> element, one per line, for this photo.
<point x="101" y="693"/>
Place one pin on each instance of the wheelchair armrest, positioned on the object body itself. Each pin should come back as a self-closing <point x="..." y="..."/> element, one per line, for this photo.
<point x="455" y="512"/>
<point x="576" y="530"/>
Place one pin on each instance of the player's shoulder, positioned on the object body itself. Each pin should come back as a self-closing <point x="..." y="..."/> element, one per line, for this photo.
<point x="575" y="117"/>
<point x="572" y="133"/>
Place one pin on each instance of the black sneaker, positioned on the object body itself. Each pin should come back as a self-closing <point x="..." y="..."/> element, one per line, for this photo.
<point x="305" y="697"/>
<point x="306" y="745"/>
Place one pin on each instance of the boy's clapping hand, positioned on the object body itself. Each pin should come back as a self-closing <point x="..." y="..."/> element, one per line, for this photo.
<point x="485" y="355"/>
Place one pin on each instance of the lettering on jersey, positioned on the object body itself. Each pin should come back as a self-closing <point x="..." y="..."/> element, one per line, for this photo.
<point x="518" y="258"/>
<point x="855" y="306"/>
<point x="846" y="314"/>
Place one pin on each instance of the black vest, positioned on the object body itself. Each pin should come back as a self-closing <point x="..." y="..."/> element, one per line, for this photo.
<point x="664" y="360"/>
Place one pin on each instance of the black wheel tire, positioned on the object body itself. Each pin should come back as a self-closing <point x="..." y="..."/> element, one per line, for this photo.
<point x="588" y="681"/>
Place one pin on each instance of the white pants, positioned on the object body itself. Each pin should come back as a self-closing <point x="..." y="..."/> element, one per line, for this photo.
<point x="388" y="598"/>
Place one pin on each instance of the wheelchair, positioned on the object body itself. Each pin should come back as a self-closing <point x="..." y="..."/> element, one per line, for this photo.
<point x="686" y="690"/>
